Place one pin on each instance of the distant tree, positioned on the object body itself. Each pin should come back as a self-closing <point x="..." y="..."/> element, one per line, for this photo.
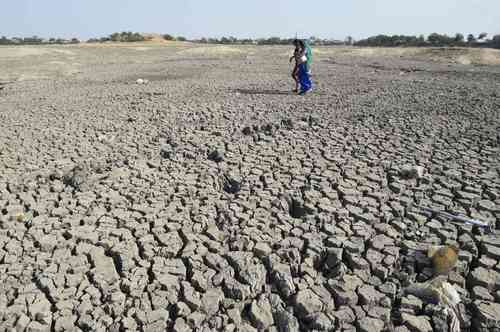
<point x="125" y="36"/>
<point x="5" y="41"/>
<point x="181" y="38"/>
<point x="313" y="40"/>
<point x="75" y="41"/>
<point x="274" y="41"/>
<point x="471" y="39"/>
<point x="436" y="39"/>
<point x="349" y="40"/>
<point x="115" y="37"/>
<point x="168" y="37"/>
<point x="137" y="37"/>
<point x="482" y="35"/>
<point x="495" y="42"/>
<point x="421" y="40"/>
<point x="433" y="39"/>
<point x="459" y="39"/>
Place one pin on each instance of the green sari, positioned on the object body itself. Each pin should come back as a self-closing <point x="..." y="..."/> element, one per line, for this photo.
<point x="309" y="55"/>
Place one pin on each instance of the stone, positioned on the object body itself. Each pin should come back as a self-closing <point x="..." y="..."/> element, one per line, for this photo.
<point x="201" y="280"/>
<point x="411" y="304"/>
<point x="342" y="297"/>
<point x="333" y="257"/>
<point x="214" y="233"/>
<point x="440" y="319"/>
<point x="491" y="251"/>
<point x="401" y="329"/>
<point x="282" y="277"/>
<point x="252" y="273"/>
<point x="104" y="271"/>
<point x="416" y="323"/>
<point x="190" y="296"/>
<point x="481" y="293"/>
<point x="369" y="324"/>
<point x="37" y="327"/>
<point x="389" y="289"/>
<point x="40" y="310"/>
<point x="157" y="315"/>
<point x="286" y="322"/>
<point x="195" y="319"/>
<point x="262" y="249"/>
<point x="383" y="313"/>
<point x="356" y="262"/>
<point x="483" y="277"/>
<point x="156" y="326"/>
<point x="210" y="301"/>
<point x="321" y="322"/>
<point x="344" y="315"/>
<point x="260" y="313"/>
<point x="216" y="155"/>
<point x="233" y="289"/>
<point x="486" y="316"/>
<point x="22" y="322"/>
<point x="172" y="243"/>
<point x="412" y="171"/>
<point x="368" y="295"/>
<point x="245" y="327"/>
<point x="180" y="325"/>
<point x="307" y="303"/>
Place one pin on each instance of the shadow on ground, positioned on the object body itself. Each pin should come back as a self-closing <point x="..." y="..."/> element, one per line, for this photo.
<point x="262" y="92"/>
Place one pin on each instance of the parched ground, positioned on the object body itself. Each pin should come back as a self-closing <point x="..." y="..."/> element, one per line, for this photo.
<point x="211" y="198"/>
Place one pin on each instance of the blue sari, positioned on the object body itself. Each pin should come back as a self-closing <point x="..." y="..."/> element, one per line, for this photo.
<point x="305" y="70"/>
<point x="304" y="79"/>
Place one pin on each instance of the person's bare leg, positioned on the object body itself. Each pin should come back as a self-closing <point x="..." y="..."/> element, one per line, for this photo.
<point x="295" y="77"/>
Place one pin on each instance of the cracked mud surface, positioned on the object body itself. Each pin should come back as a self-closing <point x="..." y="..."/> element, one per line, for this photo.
<point x="212" y="199"/>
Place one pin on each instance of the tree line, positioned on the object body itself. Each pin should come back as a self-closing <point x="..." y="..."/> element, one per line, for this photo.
<point x="125" y="36"/>
<point x="433" y="40"/>
<point x="265" y="41"/>
<point x="121" y="37"/>
<point x="35" y="40"/>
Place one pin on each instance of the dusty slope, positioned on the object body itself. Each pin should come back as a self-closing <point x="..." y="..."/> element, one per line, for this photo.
<point x="212" y="198"/>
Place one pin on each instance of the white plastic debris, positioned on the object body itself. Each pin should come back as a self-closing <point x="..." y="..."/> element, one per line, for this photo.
<point x="451" y="294"/>
<point x="439" y="291"/>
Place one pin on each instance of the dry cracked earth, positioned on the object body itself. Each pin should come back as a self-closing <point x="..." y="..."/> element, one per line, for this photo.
<point x="212" y="199"/>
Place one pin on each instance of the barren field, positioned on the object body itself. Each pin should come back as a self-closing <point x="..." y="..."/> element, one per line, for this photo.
<point x="212" y="198"/>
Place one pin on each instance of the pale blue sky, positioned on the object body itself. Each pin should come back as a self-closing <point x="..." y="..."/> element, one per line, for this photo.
<point x="249" y="18"/>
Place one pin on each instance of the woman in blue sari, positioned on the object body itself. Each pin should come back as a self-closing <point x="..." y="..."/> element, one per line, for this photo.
<point x="304" y="67"/>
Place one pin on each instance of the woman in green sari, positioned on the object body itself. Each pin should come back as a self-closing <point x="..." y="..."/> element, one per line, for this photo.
<point x="304" y="67"/>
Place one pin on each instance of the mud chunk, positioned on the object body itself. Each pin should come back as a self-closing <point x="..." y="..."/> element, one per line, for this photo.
<point x="369" y="324"/>
<point x="307" y="303"/>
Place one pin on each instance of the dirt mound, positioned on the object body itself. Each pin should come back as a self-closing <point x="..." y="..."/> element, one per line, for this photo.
<point x="481" y="56"/>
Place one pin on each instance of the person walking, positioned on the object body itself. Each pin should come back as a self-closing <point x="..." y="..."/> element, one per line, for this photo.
<point x="304" y="60"/>
<point x="296" y="58"/>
